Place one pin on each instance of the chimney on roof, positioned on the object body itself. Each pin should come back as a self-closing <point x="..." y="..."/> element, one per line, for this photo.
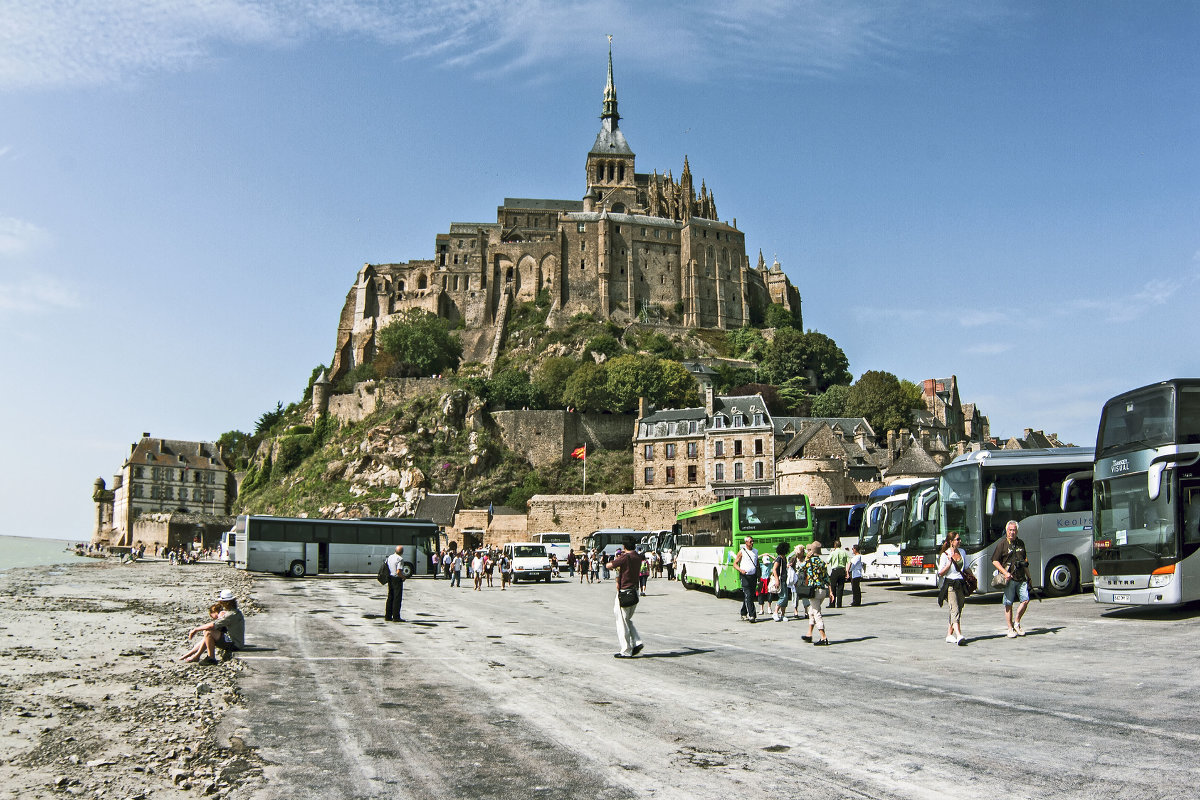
<point x="927" y="387"/>
<point x="1028" y="431"/>
<point x="709" y="402"/>
<point x="924" y="437"/>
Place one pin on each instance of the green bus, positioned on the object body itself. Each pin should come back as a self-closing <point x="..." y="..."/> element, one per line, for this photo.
<point x="711" y="536"/>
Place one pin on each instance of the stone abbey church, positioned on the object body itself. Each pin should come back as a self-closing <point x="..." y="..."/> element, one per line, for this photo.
<point x="638" y="246"/>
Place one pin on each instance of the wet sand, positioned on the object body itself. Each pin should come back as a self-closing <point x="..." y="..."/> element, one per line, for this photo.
<point x="93" y="702"/>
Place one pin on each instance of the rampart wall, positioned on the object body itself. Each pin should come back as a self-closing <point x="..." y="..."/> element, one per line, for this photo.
<point x="545" y="438"/>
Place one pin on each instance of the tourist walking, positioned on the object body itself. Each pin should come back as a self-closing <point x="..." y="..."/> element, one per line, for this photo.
<point x="643" y="574"/>
<point x="505" y="571"/>
<point x="628" y="564"/>
<point x="856" y="576"/>
<point x="1011" y="560"/>
<point x="746" y="563"/>
<point x="395" y="595"/>
<point x="489" y="567"/>
<point x="669" y="562"/>
<point x="818" y="581"/>
<point x="584" y="567"/>
<point x="952" y="560"/>
<point x="779" y="580"/>
<point x="477" y="570"/>
<point x="839" y="559"/>
<point x="456" y="568"/>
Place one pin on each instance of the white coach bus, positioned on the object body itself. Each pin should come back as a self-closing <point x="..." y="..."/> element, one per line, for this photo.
<point x="299" y="547"/>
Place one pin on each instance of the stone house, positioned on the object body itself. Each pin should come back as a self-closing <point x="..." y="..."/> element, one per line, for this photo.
<point x="727" y="447"/>
<point x="164" y="476"/>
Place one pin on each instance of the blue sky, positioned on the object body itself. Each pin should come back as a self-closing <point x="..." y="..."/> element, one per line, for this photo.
<point x="1008" y="192"/>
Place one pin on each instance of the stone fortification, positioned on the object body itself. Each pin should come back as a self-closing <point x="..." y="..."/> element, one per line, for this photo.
<point x="546" y="438"/>
<point x="369" y="396"/>
<point x="637" y="246"/>
<point x="580" y="515"/>
<point x="180" y="530"/>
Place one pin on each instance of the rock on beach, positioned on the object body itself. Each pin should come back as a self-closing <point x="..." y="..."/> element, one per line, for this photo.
<point x="93" y="701"/>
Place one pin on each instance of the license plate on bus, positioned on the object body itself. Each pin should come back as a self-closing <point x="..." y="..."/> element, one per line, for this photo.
<point x="1120" y="598"/>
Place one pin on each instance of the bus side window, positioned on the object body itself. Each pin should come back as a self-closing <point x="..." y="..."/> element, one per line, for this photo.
<point x="1188" y="430"/>
<point x="1190" y="494"/>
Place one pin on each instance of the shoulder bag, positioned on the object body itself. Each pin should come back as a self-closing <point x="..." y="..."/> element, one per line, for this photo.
<point x="627" y="597"/>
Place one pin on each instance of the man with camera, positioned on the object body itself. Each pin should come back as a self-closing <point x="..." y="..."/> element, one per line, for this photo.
<point x="1011" y="560"/>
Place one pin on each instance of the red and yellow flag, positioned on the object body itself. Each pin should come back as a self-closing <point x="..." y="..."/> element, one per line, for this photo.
<point x="580" y="452"/>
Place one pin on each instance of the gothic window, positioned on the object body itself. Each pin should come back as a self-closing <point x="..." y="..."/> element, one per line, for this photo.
<point x="401" y="284"/>
<point x="621" y="177"/>
<point x="422" y="283"/>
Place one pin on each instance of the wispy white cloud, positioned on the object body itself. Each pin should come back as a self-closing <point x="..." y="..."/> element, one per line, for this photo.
<point x="988" y="348"/>
<point x="18" y="237"/>
<point x="1123" y="307"/>
<point x="32" y="295"/>
<point x="87" y="42"/>
<point x="28" y="292"/>
<point x="976" y="319"/>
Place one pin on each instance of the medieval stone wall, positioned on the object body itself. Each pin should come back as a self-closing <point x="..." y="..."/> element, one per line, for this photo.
<point x="579" y="515"/>
<point x="370" y="396"/>
<point x="545" y="438"/>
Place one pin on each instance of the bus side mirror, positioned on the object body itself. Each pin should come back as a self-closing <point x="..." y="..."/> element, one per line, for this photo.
<point x="990" y="506"/>
<point x="1066" y="492"/>
<point x="1154" y="479"/>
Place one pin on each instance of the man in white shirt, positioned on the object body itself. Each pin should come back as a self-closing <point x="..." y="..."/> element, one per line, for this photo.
<point x="856" y="576"/>
<point x="746" y="562"/>
<point x="395" y="597"/>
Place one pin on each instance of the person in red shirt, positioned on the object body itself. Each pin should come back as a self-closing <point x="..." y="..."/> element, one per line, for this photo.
<point x="628" y="564"/>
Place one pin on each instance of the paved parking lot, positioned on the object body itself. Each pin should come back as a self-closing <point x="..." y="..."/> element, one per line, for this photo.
<point x="516" y="694"/>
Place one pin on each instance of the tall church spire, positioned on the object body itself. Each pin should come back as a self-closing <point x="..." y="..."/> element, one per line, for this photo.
<point x="609" y="114"/>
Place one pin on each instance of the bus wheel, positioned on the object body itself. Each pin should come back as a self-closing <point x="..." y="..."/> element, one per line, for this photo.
<point x="716" y="585"/>
<point x="686" y="583"/>
<point x="296" y="570"/>
<point x="408" y="569"/>
<point x="1062" y="577"/>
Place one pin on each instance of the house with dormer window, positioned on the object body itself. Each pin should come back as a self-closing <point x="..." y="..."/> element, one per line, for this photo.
<point x="726" y="447"/>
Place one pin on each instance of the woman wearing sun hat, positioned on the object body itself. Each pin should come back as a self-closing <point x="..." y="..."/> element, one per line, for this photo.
<point x="818" y="580"/>
<point x="226" y="632"/>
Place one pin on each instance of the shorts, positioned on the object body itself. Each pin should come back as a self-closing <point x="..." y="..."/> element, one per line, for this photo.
<point x="1016" y="592"/>
<point x="225" y="643"/>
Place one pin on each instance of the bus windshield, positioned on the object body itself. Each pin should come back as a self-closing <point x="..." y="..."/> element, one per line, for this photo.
<point x="959" y="495"/>
<point x="1141" y="420"/>
<point x="921" y="529"/>
<point x="768" y="514"/>
<point x="1129" y="525"/>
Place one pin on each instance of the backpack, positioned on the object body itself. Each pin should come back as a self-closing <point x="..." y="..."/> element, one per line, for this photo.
<point x="384" y="573"/>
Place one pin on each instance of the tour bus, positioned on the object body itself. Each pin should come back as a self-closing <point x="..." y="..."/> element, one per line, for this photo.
<point x="608" y="541"/>
<point x="881" y="531"/>
<point x="717" y="532"/>
<point x="229" y="540"/>
<point x="978" y="493"/>
<point x="919" y="537"/>
<point x="300" y="547"/>
<point x="558" y="544"/>
<point x="1147" y="496"/>
<point x="832" y="523"/>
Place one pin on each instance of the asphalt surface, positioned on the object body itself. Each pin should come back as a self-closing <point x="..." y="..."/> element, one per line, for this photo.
<point x="516" y="694"/>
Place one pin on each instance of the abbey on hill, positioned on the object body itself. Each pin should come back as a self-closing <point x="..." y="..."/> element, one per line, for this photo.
<point x="638" y="245"/>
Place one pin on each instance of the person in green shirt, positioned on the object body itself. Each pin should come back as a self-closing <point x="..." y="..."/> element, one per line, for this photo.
<point x="839" y="559"/>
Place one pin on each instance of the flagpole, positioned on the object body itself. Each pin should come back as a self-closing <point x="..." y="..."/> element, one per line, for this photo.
<point x="585" y="471"/>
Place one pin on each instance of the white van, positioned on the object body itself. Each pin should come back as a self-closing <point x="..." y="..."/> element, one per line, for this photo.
<point x="530" y="561"/>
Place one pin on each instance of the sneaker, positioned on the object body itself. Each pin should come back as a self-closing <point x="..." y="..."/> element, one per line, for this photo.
<point x="1012" y="634"/>
<point x="822" y="643"/>
<point x="1020" y="630"/>
<point x="777" y="618"/>
<point x="951" y="640"/>
<point x="962" y="641"/>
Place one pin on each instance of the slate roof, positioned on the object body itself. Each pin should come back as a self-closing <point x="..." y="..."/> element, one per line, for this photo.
<point x="610" y="142"/>
<point x="440" y="508"/>
<point x="674" y="415"/>
<point x="845" y="424"/>
<point x="176" y="453"/>
<point x="914" y="461"/>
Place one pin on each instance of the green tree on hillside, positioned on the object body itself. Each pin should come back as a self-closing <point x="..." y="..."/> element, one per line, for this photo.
<point x="550" y="379"/>
<point x="666" y="384"/>
<point x="420" y="343"/>
<point x="832" y="402"/>
<point x="796" y="354"/>
<point x="879" y="397"/>
<point x="586" y="389"/>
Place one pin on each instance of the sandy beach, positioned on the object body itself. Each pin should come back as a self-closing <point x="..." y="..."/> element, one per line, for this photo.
<point x="93" y="701"/>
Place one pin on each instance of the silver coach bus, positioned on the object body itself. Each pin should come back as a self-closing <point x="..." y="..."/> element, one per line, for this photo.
<point x="299" y="547"/>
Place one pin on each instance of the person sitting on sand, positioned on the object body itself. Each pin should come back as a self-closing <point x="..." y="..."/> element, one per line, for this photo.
<point x="226" y="632"/>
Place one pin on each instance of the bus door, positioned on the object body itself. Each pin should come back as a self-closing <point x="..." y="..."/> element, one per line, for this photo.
<point x="313" y="555"/>
<point x="322" y="557"/>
